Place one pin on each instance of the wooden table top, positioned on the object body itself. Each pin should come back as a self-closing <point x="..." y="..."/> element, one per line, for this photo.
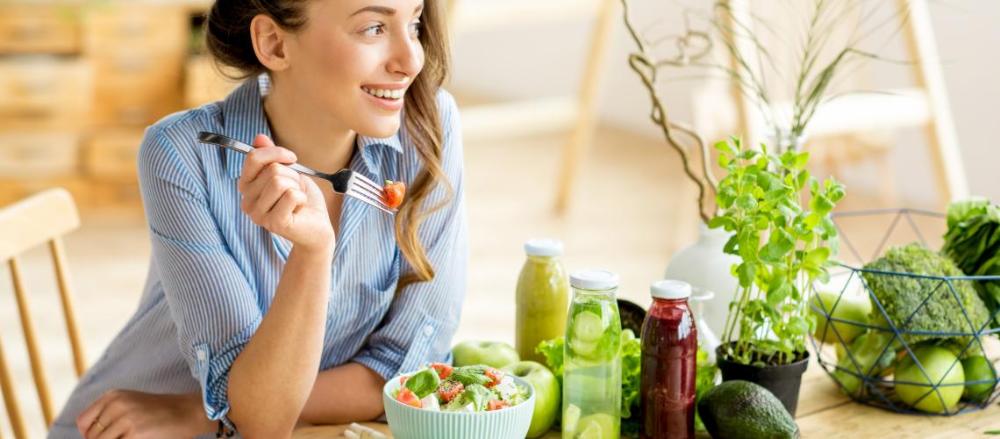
<point x="823" y="412"/>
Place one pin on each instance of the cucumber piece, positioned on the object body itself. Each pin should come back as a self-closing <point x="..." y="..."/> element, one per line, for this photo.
<point x="587" y="326"/>
<point x="570" y="419"/>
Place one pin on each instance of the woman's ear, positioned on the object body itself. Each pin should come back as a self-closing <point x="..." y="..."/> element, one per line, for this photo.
<point x="269" y="42"/>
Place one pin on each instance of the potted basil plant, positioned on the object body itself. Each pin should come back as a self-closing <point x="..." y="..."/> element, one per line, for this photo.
<point x="778" y="216"/>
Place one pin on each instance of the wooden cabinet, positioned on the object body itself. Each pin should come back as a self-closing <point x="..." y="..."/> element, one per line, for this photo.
<point x="138" y="52"/>
<point x="45" y="93"/>
<point x="37" y="155"/>
<point x="39" y="28"/>
<point x="79" y="83"/>
<point x="111" y="155"/>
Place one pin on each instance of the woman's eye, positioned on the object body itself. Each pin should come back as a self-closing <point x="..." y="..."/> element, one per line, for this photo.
<point x="375" y="30"/>
<point x="415" y="28"/>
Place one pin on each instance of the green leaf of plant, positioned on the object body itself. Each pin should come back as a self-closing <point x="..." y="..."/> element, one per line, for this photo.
<point x="746" y="202"/>
<point x="779" y="294"/>
<point x="817" y="257"/>
<point x="724" y="146"/>
<point x="746" y="272"/>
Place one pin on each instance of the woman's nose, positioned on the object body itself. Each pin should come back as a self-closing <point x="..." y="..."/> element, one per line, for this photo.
<point x="407" y="56"/>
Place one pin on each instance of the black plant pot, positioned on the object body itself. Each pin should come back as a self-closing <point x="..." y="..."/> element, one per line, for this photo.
<point x="783" y="381"/>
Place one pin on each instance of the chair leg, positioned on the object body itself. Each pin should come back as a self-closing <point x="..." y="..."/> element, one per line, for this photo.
<point x="583" y="130"/>
<point x="37" y="371"/>
<point x="10" y="399"/>
<point x="69" y="311"/>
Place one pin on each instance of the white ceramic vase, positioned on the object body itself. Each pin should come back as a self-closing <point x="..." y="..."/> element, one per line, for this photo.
<point x="706" y="267"/>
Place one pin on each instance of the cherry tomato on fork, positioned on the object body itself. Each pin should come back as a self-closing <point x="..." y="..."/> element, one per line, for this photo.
<point x="393" y="191"/>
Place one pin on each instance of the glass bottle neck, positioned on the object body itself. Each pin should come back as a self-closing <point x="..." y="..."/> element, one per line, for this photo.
<point x="604" y="294"/>
<point x="542" y="259"/>
<point x="669" y="302"/>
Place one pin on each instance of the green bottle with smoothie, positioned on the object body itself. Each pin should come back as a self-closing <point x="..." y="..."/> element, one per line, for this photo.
<point x="592" y="374"/>
<point x="542" y="297"/>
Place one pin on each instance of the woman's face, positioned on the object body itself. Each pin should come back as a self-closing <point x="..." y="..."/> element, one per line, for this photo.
<point x="356" y="59"/>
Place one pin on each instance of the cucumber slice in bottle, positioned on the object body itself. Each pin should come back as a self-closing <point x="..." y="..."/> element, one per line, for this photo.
<point x="597" y="426"/>
<point x="587" y="326"/>
<point x="570" y="419"/>
<point x="583" y="348"/>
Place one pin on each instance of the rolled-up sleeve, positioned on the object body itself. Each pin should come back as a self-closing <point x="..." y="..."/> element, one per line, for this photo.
<point x="211" y="301"/>
<point x="424" y="316"/>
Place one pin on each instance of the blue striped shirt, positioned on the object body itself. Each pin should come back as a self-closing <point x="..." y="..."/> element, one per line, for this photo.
<point x="214" y="272"/>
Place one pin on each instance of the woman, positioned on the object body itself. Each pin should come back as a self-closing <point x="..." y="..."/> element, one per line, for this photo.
<point x="271" y="299"/>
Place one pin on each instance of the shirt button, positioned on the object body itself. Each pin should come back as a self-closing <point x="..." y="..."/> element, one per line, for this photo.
<point x="201" y="355"/>
<point x="428" y="330"/>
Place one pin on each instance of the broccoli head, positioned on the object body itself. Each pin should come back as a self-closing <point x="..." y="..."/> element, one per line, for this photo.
<point x="930" y="298"/>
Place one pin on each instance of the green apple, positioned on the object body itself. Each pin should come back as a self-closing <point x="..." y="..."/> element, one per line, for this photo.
<point x="978" y="368"/>
<point x="547" y="394"/>
<point x="850" y="309"/>
<point x="942" y="367"/>
<point x="493" y="354"/>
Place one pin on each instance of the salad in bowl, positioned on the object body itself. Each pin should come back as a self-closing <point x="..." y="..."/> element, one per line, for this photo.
<point x="468" y="402"/>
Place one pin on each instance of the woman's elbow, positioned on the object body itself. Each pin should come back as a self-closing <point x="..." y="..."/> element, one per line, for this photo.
<point x="264" y="427"/>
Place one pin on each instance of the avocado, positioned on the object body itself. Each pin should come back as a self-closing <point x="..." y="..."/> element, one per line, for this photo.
<point x="744" y="410"/>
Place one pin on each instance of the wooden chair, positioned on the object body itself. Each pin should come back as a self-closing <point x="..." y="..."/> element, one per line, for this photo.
<point x="40" y="219"/>
<point x="576" y="112"/>
<point x="924" y="106"/>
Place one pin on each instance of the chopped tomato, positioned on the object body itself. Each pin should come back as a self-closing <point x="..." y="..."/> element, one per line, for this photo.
<point x="406" y="396"/>
<point x="494" y="375"/>
<point x="443" y="370"/>
<point x="394" y="192"/>
<point x="449" y="390"/>
<point x="496" y="404"/>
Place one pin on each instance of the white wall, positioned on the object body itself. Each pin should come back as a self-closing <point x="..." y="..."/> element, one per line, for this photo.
<point x="525" y="60"/>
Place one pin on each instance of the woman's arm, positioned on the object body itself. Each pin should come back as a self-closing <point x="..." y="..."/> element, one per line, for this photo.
<point x="343" y="394"/>
<point x="272" y="377"/>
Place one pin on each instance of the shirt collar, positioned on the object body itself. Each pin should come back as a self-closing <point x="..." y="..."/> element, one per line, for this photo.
<point x="243" y="118"/>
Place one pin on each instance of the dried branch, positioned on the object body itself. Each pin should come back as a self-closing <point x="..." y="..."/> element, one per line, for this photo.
<point x="647" y="67"/>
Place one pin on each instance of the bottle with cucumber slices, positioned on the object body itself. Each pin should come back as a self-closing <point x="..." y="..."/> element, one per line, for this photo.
<point x="592" y="375"/>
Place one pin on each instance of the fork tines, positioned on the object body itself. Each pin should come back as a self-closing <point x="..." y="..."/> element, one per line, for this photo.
<point x="366" y="190"/>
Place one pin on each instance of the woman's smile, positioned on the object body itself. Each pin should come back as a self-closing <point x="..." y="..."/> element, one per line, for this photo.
<point x="388" y="97"/>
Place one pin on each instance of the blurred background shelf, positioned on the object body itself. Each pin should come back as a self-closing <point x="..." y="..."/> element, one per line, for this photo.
<point x="80" y="81"/>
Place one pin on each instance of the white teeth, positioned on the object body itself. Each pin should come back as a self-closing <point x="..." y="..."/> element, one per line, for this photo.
<point x="385" y="93"/>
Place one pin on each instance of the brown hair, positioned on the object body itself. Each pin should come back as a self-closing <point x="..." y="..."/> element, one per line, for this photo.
<point x="228" y="40"/>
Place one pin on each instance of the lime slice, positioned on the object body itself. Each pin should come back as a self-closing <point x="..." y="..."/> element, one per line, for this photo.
<point x="571" y="416"/>
<point x="598" y="426"/>
<point x="587" y="326"/>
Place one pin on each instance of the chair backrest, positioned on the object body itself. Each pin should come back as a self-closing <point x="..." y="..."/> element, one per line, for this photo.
<point x="41" y="219"/>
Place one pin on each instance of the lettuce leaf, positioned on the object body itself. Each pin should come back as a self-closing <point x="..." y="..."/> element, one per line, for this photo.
<point x="973" y="243"/>
<point x="703" y="382"/>
<point x="631" y="369"/>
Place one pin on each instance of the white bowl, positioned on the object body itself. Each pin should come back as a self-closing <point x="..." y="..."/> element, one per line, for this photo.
<point x="408" y="422"/>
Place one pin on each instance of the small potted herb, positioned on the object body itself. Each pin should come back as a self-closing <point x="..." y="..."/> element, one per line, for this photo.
<point x="779" y="218"/>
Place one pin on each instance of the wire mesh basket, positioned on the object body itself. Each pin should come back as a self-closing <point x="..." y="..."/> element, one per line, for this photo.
<point x="905" y="364"/>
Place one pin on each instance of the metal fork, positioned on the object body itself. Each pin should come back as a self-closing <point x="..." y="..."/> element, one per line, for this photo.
<point x="344" y="181"/>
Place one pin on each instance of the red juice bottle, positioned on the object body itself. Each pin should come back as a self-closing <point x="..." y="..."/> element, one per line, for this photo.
<point x="669" y="350"/>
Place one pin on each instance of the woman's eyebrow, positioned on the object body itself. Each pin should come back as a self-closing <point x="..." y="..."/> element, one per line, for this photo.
<point x="385" y="10"/>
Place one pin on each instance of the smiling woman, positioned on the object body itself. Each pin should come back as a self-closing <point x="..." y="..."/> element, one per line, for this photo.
<point x="272" y="300"/>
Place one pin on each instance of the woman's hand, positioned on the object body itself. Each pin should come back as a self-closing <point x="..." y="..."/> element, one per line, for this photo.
<point x="127" y="414"/>
<point x="283" y="201"/>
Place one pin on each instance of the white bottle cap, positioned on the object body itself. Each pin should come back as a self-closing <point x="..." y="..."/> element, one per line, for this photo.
<point x="597" y="280"/>
<point x="670" y="289"/>
<point x="543" y="247"/>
